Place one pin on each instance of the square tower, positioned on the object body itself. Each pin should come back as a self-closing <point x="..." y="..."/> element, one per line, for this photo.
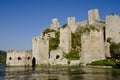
<point x="40" y="47"/>
<point x="55" y="24"/>
<point x="112" y="25"/>
<point x="65" y="39"/>
<point x="72" y="24"/>
<point x="93" y="16"/>
<point x="92" y="46"/>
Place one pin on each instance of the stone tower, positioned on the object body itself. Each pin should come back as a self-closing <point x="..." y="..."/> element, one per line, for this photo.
<point x="65" y="39"/>
<point x="40" y="47"/>
<point x="55" y="24"/>
<point x="92" y="46"/>
<point x="113" y="27"/>
<point x="93" y="16"/>
<point x="72" y="24"/>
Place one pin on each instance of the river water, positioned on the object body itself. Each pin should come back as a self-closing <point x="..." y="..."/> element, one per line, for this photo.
<point x="58" y="73"/>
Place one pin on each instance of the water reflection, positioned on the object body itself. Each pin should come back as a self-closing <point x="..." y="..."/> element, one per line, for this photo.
<point x="61" y="73"/>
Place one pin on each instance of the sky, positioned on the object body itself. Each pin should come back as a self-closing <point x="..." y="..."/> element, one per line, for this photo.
<point x="21" y="20"/>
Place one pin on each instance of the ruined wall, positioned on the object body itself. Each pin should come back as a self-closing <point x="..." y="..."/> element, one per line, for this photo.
<point x="107" y="49"/>
<point x="72" y="24"/>
<point x="55" y="24"/>
<point x="93" y="16"/>
<point x="56" y="54"/>
<point x="92" y="46"/>
<point x="65" y="39"/>
<point x="40" y="50"/>
<point x="50" y="34"/>
<point x="35" y="48"/>
<point x="19" y="58"/>
<point x="82" y="24"/>
<point x="113" y="27"/>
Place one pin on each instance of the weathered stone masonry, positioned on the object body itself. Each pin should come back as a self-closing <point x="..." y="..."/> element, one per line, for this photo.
<point x="94" y="45"/>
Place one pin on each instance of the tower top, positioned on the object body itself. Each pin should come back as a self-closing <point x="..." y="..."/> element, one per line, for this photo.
<point x="93" y="16"/>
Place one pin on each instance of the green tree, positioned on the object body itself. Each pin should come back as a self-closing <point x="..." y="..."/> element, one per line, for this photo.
<point x="115" y="50"/>
<point x="2" y="56"/>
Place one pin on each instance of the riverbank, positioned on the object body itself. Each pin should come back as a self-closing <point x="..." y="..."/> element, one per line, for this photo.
<point x="107" y="62"/>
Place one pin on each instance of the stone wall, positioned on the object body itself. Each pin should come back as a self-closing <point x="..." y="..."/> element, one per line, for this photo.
<point x="56" y="54"/>
<point x="55" y="24"/>
<point x="113" y="27"/>
<point x="72" y="24"/>
<point x="107" y="49"/>
<point x="92" y="46"/>
<point x="50" y="35"/>
<point x="40" y="50"/>
<point x="82" y="24"/>
<point x="65" y="39"/>
<point x="93" y="16"/>
<point x="19" y="58"/>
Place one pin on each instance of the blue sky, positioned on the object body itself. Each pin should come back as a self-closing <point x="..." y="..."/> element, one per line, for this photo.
<point x="21" y="20"/>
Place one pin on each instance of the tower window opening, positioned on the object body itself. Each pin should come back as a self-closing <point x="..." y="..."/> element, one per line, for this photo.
<point x="19" y="58"/>
<point x="28" y="58"/>
<point x="57" y="56"/>
<point x="10" y="58"/>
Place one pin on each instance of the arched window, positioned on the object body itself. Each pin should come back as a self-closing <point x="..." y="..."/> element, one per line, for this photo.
<point x="19" y="58"/>
<point x="10" y="58"/>
<point x="57" y="56"/>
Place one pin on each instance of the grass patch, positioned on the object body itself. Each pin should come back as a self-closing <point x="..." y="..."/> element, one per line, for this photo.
<point x="107" y="62"/>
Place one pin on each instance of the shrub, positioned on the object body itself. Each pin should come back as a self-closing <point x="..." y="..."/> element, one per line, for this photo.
<point x="115" y="50"/>
<point x="64" y="26"/>
<point x="2" y="56"/>
<point x="54" y="42"/>
<point x="73" y="55"/>
<point x="47" y="31"/>
<point x="76" y="41"/>
<point x="109" y="39"/>
<point x="107" y="62"/>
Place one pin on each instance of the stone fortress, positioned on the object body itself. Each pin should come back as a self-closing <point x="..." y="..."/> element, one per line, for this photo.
<point x="94" y="43"/>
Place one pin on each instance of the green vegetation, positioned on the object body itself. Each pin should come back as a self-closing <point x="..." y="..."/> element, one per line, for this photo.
<point x="115" y="56"/>
<point x="73" y="55"/>
<point x="115" y="50"/>
<point x="76" y="41"/>
<point x="76" y="37"/>
<point x="54" y="42"/>
<point x="64" y="26"/>
<point x="109" y="39"/>
<point x="2" y="56"/>
<point x="47" y="31"/>
<point x="107" y="62"/>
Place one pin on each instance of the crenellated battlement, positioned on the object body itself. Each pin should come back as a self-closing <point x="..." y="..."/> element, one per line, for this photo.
<point x="19" y="51"/>
<point x="93" y="16"/>
<point x="72" y="24"/>
<point x="55" y="24"/>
